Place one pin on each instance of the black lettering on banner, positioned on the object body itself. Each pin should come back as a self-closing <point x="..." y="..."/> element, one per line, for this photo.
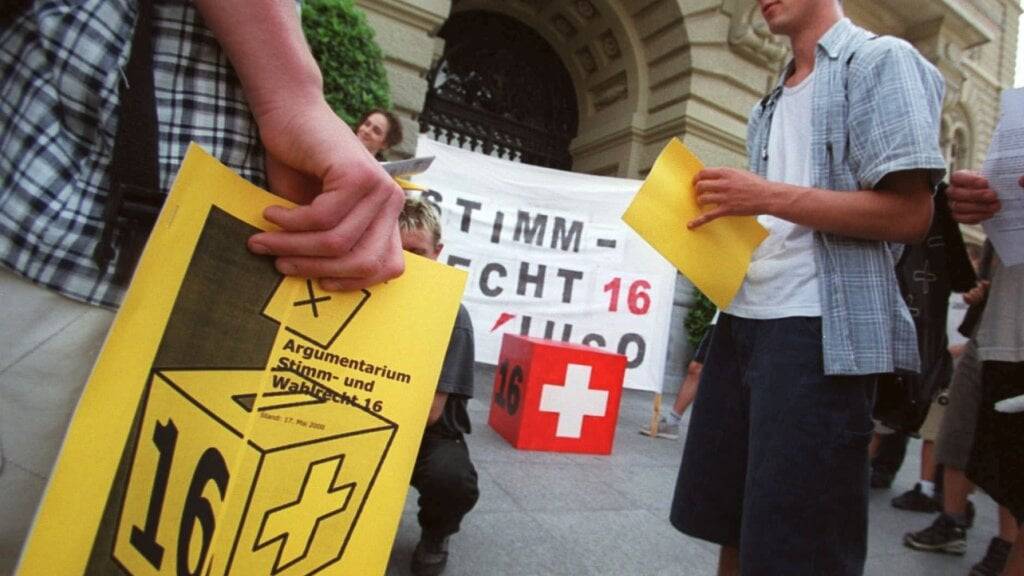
<point x="527" y="231"/>
<point x="454" y="260"/>
<point x="594" y="340"/>
<point x="499" y="218"/>
<point x="467" y="212"/>
<point x="509" y="391"/>
<point x="569" y="276"/>
<point x="641" y="348"/>
<point x="549" y="331"/>
<point x="564" y="238"/>
<point x="536" y="279"/>
<point x="524" y="328"/>
<point x="485" y="274"/>
<point x="211" y="466"/>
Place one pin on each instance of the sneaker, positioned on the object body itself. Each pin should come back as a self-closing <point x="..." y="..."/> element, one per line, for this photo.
<point x="916" y="501"/>
<point x="995" y="559"/>
<point x="665" y="430"/>
<point x="430" y="556"/>
<point x="944" y="535"/>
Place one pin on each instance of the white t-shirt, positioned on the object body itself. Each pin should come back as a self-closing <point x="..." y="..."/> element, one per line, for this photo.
<point x="955" y="315"/>
<point x="782" y="279"/>
<point x="1000" y="334"/>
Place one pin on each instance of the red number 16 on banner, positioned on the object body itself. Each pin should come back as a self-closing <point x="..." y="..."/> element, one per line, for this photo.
<point x="638" y="297"/>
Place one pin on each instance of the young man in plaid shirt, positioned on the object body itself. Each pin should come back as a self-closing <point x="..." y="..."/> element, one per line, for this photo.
<point x="843" y="155"/>
<point x="237" y="77"/>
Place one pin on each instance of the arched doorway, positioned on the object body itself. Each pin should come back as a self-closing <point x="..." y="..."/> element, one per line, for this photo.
<point x="502" y="90"/>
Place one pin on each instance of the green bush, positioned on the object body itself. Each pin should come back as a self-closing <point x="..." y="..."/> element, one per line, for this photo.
<point x="698" y="319"/>
<point x="351" y="61"/>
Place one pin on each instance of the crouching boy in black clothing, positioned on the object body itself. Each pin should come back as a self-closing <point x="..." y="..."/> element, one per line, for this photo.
<point x="443" y="475"/>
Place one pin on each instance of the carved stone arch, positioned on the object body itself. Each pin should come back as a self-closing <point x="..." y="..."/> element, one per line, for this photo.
<point x="708" y="63"/>
<point x="750" y="37"/>
<point x="499" y="88"/>
<point x="574" y="34"/>
<point x="645" y="71"/>
<point x="593" y="39"/>
<point x="957" y="137"/>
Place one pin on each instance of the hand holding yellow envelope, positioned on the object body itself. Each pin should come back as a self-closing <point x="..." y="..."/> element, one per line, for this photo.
<point x="242" y="422"/>
<point x="715" y="256"/>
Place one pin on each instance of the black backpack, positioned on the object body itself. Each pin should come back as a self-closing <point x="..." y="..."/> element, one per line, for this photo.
<point x="927" y="273"/>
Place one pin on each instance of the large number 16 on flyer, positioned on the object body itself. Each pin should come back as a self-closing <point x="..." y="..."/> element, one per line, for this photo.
<point x="242" y="422"/>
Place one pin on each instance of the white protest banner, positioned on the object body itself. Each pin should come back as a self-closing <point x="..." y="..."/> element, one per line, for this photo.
<point x="550" y="257"/>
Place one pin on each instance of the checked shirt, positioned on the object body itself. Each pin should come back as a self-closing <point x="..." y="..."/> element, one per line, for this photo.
<point x="60" y="69"/>
<point x="876" y="110"/>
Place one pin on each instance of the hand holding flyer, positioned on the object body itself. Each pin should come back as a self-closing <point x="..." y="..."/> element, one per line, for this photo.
<point x="715" y="257"/>
<point x="241" y="422"/>
<point x="1004" y="166"/>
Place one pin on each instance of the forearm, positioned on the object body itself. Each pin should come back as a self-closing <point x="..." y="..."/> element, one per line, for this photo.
<point x="899" y="209"/>
<point x="263" y="40"/>
<point x="284" y="90"/>
<point x="866" y="214"/>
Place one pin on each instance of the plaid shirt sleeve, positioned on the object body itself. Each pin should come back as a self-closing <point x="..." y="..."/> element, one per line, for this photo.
<point x="895" y="98"/>
<point x="60" y="69"/>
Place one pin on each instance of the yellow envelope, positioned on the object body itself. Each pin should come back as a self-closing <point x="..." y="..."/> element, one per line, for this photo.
<point x="242" y="422"/>
<point x="715" y="257"/>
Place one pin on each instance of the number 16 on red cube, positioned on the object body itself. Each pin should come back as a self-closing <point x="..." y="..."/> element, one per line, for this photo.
<point x="556" y="397"/>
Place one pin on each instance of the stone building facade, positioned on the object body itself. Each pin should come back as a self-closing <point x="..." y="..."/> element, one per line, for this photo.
<point x="643" y="71"/>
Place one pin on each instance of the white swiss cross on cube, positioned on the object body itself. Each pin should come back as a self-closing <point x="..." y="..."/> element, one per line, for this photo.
<point x="573" y="401"/>
<point x="555" y="396"/>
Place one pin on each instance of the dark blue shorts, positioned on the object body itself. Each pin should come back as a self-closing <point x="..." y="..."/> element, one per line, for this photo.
<point x="776" y="454"/>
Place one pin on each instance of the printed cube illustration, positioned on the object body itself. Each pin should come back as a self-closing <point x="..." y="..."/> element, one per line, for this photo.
<point x="252" y="483"/>
<point x="556" y="397"/>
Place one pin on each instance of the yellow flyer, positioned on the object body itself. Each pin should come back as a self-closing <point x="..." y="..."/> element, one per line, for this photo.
<point x="715" y="256"/>
<point x="238" y="421"/>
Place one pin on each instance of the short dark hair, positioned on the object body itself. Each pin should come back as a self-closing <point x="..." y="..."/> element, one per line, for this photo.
<point x="394" y="135"/>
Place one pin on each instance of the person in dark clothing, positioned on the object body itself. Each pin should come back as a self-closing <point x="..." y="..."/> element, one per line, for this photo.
<point x="101" y="100"/>
<point x="444" y="474"/>
<point x="928" y="272"/>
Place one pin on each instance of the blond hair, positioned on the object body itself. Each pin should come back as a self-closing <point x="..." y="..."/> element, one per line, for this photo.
<point x="419" y="215"/>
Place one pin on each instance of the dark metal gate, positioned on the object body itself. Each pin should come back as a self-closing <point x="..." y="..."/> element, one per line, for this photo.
<point x="500" y="89"/>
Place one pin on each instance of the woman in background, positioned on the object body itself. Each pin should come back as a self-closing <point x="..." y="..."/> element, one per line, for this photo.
<point x="378" y="130"/>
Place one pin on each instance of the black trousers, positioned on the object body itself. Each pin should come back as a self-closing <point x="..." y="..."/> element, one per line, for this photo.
<point x="447" y="483"/>
<point x="892" y="449"/>
<point x="997" y="459"/>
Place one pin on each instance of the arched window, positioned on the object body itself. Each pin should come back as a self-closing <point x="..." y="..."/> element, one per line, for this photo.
<point x="501" y="89"/>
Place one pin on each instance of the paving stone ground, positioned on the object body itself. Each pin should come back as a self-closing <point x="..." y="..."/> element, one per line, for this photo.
<point x="545" y="514"/>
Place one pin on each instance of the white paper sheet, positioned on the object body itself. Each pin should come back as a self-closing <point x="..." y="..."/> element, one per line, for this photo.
<point x="1003" y="167"/>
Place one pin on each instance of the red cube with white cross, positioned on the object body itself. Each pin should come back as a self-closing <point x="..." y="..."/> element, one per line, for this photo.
<point x="556" y="397"/>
